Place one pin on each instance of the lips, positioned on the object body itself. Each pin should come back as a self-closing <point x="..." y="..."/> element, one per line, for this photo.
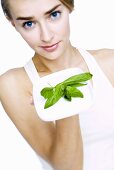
<point x="50" y="48"/>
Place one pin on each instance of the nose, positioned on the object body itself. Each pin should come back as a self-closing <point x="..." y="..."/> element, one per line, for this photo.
<point x="46" y="34"/>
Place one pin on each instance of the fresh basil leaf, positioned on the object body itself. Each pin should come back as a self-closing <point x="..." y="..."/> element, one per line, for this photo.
<point x="69" y="98"/>
<point x="67" y="88"/>
<point x="74" y="92"/>
<point x="47" y="92"/>
<point x="58" y="93"/>
<point x="67" y="95"/>
<point x="78" y="84"/>
<point x="78" y="78"/>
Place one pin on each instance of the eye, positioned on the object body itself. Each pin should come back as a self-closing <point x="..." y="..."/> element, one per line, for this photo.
<point x="28" y="24"/>
<point x="55" y="15"/>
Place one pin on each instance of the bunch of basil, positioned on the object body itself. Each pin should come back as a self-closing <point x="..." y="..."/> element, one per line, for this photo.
<point x="67" y="89"/>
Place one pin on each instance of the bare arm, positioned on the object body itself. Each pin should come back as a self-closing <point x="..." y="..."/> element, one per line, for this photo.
<point x="59" y="144"/>
<point x="67" y="150"/>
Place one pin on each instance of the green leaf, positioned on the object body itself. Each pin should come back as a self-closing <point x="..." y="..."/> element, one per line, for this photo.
<point x="78" y="84"/>
<point x="67" y="88"/>
<point x="69" y="98"/>
<point x="67" y="95"/>
<point x="58" y="93"/>
<point x="78" y="78"/>
<point x="73" y="92"/>
<point x="47" y="92"/>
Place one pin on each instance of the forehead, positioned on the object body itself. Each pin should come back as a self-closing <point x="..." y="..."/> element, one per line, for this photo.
<point x="29" y="7"/>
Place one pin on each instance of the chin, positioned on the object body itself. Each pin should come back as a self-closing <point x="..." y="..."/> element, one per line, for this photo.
<point x="52" y="55"/>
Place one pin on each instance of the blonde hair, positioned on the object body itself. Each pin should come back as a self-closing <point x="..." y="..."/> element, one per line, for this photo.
<point x="69" y="4"/>
<point x="4" y="3"/>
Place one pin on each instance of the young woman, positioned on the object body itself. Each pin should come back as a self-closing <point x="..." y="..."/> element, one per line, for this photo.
<point x="79" y="142"/>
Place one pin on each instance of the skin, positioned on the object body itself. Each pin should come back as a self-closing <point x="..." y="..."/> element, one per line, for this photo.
<point x="55" y="143"/>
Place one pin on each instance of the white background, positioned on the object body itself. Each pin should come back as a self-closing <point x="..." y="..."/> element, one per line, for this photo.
<point x="92" y="25"/>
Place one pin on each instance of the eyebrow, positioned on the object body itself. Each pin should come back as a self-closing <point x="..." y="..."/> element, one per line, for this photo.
<point x="51" y="10"/>
<point x="32" y="17"/>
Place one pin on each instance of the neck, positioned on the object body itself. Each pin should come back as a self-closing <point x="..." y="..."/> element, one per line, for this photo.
<point x="62" y="62"/>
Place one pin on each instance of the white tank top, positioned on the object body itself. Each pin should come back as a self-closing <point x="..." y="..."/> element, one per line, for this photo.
<point x="97" y="124"/>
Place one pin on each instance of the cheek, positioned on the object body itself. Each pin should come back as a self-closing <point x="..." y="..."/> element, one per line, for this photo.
<point x="31" y="38"/>
<point x="64" y="28"/>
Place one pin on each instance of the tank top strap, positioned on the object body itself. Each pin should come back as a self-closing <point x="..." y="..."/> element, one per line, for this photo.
<point x="32" y="72"/>
<point x="90" y="61"/>
<point x="94" y="68"/>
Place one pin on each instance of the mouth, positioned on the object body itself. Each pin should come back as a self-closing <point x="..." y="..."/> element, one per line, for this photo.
<point x="50" y="48"/>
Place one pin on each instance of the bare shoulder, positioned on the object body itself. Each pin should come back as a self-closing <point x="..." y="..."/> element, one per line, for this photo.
<point x="105" y="59"/>
<point x="13" y="75"/>
<point x="14" y="92"/>
<point x="102" y="53"/>
<point x="14" y="79"/>
<point x="10" y="75"/>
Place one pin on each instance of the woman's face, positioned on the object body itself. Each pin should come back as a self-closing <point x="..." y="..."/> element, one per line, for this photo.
<point x="44" y="25"/>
